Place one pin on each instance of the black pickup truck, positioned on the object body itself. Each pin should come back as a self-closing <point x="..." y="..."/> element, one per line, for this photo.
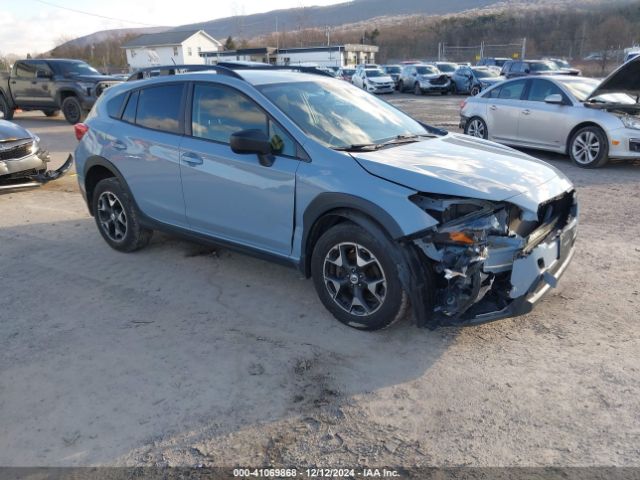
<point x="51" y="85"/>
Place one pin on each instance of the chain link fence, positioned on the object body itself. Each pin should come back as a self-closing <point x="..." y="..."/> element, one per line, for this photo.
<point x="473" y="53"/>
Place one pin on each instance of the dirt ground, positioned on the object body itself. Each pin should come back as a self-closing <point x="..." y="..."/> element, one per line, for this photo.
<point x="185" y="355"/>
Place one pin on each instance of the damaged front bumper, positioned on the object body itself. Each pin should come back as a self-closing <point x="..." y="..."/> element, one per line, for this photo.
<point x="488" y="267"/>
<point x="30" y="171"/>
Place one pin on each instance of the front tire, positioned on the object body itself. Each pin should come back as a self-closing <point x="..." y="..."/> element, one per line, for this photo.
<point x="116" y="217"/>
<point x="401" y="86"/>
<point x="72" y="110"/>
<point x="5" y="109"/>
<point x="416" y="89"/>
<point x="589" y="148"/>
<point x="476" y="127"/>
<point x="356" y="277"/>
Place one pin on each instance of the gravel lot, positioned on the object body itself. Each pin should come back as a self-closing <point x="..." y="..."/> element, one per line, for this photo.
<point x="185" y="355"/>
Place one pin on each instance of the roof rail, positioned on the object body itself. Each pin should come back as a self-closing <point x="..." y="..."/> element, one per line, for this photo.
<point x="222" y="68"/>
<point x="295" y="68"/>
<point x="162" y="70"/>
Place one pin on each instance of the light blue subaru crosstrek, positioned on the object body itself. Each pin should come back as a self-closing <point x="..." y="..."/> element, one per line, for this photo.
<point x="382" y="211"/>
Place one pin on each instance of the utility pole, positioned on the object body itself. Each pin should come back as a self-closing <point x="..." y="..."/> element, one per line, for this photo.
<point x="524" y="48"/>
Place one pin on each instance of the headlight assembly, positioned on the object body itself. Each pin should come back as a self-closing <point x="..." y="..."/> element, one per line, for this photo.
<point x="630" y="122"/>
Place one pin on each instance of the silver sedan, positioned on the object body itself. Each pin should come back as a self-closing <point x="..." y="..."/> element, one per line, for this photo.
<point x="589" y="120"/>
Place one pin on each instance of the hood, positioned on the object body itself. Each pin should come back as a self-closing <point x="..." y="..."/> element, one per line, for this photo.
<point x="464" y="166"/>
<point x="381" y="79"/>
<point x="625" y="79"/>
<point x="10" y="132"/>
<point x="95" y="78"/>
<point x="430" y="76"/>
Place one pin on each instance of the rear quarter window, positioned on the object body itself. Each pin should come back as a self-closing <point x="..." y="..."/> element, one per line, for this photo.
<point x="114" y="106"/>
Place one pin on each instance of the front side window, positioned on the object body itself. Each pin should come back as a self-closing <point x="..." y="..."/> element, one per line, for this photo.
<point x="159" y="107"/>
<point x="541" y="89"/>
<point x="512" y="90"/>
<point x="219" y="111"/>
<point x="339" y="115"/>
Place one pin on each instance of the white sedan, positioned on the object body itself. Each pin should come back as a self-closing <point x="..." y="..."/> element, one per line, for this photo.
<point x="591" y="121"/>
<point x="373" y="80"/>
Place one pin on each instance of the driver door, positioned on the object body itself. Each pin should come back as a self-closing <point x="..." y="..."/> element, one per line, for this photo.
<point x="232" y="196"/>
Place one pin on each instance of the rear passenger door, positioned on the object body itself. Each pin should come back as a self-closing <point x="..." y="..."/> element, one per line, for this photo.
<point x="145" y="146"/>
<point x="232" y="196"/>
<point x="504" y="105"/>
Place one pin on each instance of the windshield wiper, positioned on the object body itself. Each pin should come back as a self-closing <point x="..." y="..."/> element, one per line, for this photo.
<point x="398" y="140"/>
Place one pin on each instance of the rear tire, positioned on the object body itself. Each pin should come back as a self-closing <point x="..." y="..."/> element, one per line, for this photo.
<point x="356" y="277"/>
<point x="589" y="147"/>
<point x="72" y="110"/>
<point x="476" y="127"/>
<point x="51" y="113"/>
<point x="117" y="218"/>
<point x="5" y="109"/>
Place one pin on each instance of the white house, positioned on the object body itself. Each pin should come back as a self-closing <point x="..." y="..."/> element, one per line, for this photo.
<point x="169" y="48"/>
<point x="325" y="56"/>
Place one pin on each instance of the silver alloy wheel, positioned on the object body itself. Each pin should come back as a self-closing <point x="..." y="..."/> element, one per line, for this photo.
<point x="476" y="128"/>
<point x="586" y="147"/>
<point x="354" y="279"/>
<point x="113" y="219"/>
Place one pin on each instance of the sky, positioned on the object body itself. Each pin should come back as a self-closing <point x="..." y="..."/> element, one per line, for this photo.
<point x="35" y="26"/>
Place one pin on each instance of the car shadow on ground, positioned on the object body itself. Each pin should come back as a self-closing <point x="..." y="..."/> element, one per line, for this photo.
<point x="127" y="351"/>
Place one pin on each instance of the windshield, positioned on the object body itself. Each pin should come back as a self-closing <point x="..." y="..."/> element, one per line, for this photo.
<point x="392" y="69"/>
<point x="582" y="88"/>
<point x="447" y="67"/>
<point x="76" y="68"/>
<point x="339" y="115"/>
<point x="348" y="71"/>
<point x="426" y="69"/>
<point x="374" y="73"/>
<point x="541" y="67"/>
<point x="485" y="73"/>
<point x="562" y="63"/>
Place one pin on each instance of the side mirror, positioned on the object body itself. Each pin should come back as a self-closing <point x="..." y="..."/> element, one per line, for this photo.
<point x="43" y="74"/>
<point x="526" y="70"/>
<point x="554" y="98"/>
<point x="252" y="141"/>
<point x="1" y="114"/>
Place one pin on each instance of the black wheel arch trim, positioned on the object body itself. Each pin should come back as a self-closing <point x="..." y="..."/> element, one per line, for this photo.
<point x="351" y="207"/>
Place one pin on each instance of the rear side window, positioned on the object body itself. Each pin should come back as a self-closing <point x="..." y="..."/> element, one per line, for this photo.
<point x="114" y="106"/>
<point x="129" y="114"/>
<point x="512" y="90"/>
<point x="159" y="107"/>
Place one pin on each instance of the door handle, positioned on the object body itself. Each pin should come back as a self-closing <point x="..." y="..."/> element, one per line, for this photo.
<point x="526" y="112"/>
<point x="493" y="107"/>
<point x="192" y="159"/>
<point x="13" y="82"/>
<point x="118" y="145"/>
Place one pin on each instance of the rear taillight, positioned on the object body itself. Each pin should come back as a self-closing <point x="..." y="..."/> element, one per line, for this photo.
<point x="463" y="104"/>
<point x="80" y="129"/>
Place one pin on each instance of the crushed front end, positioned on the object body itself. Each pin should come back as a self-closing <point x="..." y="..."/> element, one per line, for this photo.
<point x="494" y="260"/>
